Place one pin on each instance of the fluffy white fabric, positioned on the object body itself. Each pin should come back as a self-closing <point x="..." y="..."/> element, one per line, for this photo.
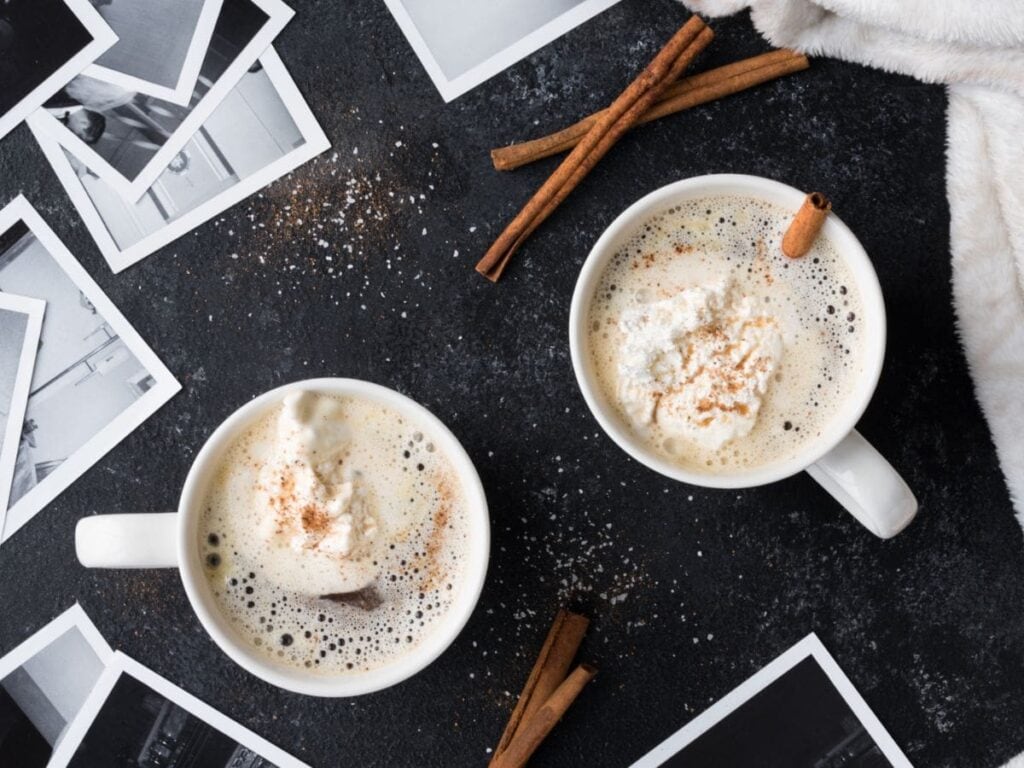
<point x="977" y="49"/>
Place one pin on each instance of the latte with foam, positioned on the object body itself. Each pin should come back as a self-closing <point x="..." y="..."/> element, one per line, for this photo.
<point x="718" y="351"/>
<point x="334" y="534"/>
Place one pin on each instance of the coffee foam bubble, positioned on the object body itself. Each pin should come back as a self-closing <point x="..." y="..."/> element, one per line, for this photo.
<point x="424" y="521"/>
<point x="814" y="298"/>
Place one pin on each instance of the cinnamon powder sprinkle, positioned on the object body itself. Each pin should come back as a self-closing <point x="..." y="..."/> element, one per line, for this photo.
<point x="315" y="519"/>
<point x="430" y="563"/>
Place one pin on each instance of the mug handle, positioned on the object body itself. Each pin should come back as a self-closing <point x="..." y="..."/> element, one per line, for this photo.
<point x="128" y="541"/>
<point x="865" y="483"/>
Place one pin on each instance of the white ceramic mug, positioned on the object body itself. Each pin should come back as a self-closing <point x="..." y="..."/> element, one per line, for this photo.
<point x="841" y="460"/>
<point x="172" y="540"/>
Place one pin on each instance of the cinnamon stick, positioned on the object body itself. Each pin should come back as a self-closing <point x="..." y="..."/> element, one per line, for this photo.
<point x="664" y="69"/>
<point x="806" y="225"/>
<point x="689" y="92"/>
<point x="539" y="726"/>
<point x="557" y="653"/>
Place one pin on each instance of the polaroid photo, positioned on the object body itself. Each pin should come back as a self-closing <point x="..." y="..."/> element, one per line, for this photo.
<point x="262" y="130"/>
<point x="136" y="717"/>
<point x="21" y="320"/>
<point x="161" y="45"/>
<point x="462" y="43"/>
<point x="129" y="139"/>
<point x="95" y="379"/>
<point x="43" y="44"/>
<point x="44" y="684"/>
<point x="800" y="710"/>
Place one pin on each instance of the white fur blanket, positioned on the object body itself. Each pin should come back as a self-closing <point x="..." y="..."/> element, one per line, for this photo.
<point x="977" y="49"/>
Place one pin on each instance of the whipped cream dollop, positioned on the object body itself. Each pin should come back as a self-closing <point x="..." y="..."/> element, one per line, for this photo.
<point x="317" y="521"/>
<point x="698" y="363"/>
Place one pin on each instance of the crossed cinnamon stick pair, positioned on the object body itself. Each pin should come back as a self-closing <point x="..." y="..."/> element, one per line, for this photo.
<point x="548" y="692"/>
<point x="656" y="92"/>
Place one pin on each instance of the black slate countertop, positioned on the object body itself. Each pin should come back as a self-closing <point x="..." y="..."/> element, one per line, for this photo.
<point x="690" y="590"/>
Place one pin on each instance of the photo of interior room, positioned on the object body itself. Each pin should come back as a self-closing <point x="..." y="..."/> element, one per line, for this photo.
<point x="13" y="326"/>
<point x="139" y="726"/>
<point x="250" y="129"/>
<point x="155" y="37"/>
<point x="800" y="718"/>
<point x="41" y="697"/>
<point x="85" y="375"/>
<point x="462" y="34"/>
<point x="126" y="128"/>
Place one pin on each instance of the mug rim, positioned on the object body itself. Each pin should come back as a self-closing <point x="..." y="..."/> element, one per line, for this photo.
<point x="849" y="249"/>
<point x="407" y="664"/>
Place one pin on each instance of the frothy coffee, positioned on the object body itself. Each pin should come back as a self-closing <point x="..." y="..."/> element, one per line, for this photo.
<point x="718" y="351"/>
<point x="323" y="495"/>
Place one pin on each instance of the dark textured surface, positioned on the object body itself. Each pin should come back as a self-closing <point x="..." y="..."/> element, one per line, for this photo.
<point x="691" y="590"/>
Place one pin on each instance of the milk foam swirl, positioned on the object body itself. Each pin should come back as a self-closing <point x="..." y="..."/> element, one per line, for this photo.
<point x="705" y="282"/>
<point x="391" y="501"/>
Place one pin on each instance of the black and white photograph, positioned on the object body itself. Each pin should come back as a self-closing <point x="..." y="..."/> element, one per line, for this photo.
<point x="161" y="45"/>
<point x="134" y="717"/>
<point x="129" y="138"/>
<point x="95" y="380"/>
<point x="43" y="44"/>
<point x="21" y="321"/>
<point x="261" y="130"/>
<point x="44" y="684"/>
<point x="462" y="43"/>
<point x="800" y="711"/>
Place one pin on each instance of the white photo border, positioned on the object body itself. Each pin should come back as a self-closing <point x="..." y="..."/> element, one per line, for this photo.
<point x="33" y="309"/>
<point x="189" y="75"/>
<point x="809" y="647"/>
<point x="316" y="142"/>
<point x="128" y="420"/>
<point x="452" y="88"/>
<point x="42" y="122"/>
<point x="120" y="664"/>
<point x="103" y="38"/>
<point x="73" y="618"/>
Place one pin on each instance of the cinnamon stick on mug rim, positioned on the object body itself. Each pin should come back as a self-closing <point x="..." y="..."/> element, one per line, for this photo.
<point x="806" y="225"/>
<point x="550" y="669"/>
<point x="679" y="96"/>
<point x="665" y="68"/>
<point x="536" y="729"/>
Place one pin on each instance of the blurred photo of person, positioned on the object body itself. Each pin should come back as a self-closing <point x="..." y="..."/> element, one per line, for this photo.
<point x="43" y="44"/>
<point x="125" y="128"/>
<point x="80" y="104"/>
